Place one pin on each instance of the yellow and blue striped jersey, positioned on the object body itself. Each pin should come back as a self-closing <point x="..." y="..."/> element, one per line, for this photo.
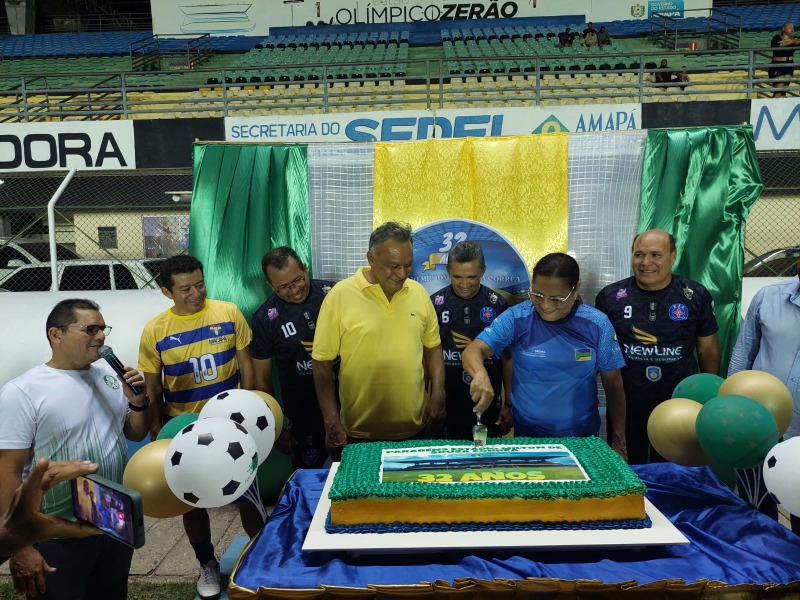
<point x="196" y="353"/>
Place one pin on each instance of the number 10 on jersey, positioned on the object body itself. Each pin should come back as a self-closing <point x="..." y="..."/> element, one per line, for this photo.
<point x="204" y="368"/>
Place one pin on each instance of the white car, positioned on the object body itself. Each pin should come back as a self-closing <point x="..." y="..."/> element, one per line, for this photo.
<point x="18" y="252"/>
<point x="75" y="275"/>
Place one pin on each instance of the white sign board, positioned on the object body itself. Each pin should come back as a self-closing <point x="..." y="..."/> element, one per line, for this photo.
<point x="85" y="145"/>
<point x="228" y="17"/>
<point x="776" y="123"/>
<point x="392" y="126"/>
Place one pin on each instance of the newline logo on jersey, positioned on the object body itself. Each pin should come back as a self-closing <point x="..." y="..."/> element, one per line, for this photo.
<point x="453" y="355"/>
<point x="654" y="351"/>
<point x="303" y="366"/>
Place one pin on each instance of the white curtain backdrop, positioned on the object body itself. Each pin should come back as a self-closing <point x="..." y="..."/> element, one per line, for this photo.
<point x="340" y="206"/>
<point x="605" y="173"/>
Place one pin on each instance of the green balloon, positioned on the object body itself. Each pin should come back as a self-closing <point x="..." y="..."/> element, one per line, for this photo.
<point x="175" y="424"/>
<point x="700" y="387"/>
<point x="736" y="431"/>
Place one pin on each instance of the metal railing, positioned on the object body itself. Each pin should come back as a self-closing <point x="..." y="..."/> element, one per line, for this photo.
<point x="159" y="53"/>
<point x="98" y="21"/>
<point x="430" y="83"/>
<point x="719" y="28"/>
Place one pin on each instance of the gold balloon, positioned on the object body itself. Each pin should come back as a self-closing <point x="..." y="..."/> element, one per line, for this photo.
<point x="766" y="389"/>
<point x="276" y="411"/>
<point x="672" y="433"/>
<point x="145" y="474"/>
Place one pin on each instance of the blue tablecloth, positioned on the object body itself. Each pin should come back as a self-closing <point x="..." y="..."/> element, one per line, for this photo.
<point x="730" y="542"/>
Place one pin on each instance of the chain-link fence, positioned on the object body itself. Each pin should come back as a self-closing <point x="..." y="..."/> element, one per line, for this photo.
<point x="112" y="230"/>
<point x="772" y="234"/>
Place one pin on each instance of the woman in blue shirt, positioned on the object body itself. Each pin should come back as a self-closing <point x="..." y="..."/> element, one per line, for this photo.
<point x="557" y="344"/>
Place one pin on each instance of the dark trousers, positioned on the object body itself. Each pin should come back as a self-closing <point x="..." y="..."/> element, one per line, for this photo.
<point x="640" y="452"/>
<point x="93" y="568"/>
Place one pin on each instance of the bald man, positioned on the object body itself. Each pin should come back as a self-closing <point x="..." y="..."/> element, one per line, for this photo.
<point x="660" y="319"/>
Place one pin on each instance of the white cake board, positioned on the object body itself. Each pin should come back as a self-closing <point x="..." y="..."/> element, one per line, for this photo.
<point x="661" y="533"/>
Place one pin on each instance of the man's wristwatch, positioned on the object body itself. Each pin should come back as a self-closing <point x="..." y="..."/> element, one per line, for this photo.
<point x="135" y="408"/>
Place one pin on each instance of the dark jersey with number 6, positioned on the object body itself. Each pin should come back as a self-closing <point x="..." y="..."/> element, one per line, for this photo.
<point x="460" y="321"/>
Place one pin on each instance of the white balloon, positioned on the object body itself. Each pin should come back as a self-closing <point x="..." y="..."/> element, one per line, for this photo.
<point x="250" y="411"/>
<point x="781" y="474"/>
<point x="211" y="462"/>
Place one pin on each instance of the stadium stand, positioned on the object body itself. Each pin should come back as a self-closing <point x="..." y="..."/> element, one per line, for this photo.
<point x="327" y="69"/>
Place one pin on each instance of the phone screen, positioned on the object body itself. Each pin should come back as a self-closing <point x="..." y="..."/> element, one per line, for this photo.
<point x="104" y="507"/>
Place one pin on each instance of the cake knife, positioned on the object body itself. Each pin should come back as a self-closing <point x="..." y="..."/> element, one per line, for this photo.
<point x="479" y="432"/>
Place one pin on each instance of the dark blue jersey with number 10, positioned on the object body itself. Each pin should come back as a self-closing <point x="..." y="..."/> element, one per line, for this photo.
<point x="284" y="332"/>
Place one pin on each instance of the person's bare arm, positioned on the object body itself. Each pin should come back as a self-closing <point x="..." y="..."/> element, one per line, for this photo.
<point x="325" y="384"/>
<point x="615" y="410"/>
<point x="155" y="391"/>
<point x="504" y="420"/>
<point x="138" y="424"/>
<point x="708" y="354"/>
<point x="23" y="524"/>
<point x="262" y="375"/>
<point x="435" y="410"/>
<point x="480" y="388"/>
<point x="26" y="564"/>
<point x="245" y="368"/>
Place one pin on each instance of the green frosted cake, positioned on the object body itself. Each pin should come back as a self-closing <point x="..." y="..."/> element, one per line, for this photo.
<point x="516" y="483"/>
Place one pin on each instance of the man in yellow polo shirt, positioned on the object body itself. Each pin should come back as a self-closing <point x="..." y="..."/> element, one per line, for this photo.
<point x="384" y="328"/>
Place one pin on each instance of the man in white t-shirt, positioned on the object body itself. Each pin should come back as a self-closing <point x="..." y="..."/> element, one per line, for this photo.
<point x="72" y="407"/>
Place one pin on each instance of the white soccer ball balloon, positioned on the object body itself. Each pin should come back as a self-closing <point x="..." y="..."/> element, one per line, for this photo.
<point x="211" y="462"/>
<point x="250" y="411"/>
<point x="781" y="474"/>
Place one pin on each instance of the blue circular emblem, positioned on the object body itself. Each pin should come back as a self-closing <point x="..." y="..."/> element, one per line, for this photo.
<point x="488" y="314"/>
<point x="678" y="312"/>
<point x="505" y="268"/>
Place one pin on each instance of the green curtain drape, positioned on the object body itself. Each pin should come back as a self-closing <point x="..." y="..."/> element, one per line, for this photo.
<point x="700" y="184"/>
<point x="246" y="200"/>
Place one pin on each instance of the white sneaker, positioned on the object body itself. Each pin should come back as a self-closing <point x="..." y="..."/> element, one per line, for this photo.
<point x="208" y="584"/>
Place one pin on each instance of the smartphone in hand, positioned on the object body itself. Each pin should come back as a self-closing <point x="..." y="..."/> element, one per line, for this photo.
<point x="109" y="506"/>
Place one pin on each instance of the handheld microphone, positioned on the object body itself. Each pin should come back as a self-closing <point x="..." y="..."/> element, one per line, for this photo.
<point x="107" y="353"/>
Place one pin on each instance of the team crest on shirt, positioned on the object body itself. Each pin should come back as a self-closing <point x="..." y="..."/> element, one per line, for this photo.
<point x="439" y="300"/>
<point x="653" y="373"/>
<point x="623" y="293"/>
<point x="466" y="377"/>
<point x="493" y="298"/>
<point x="111" y="382"/>
<point x="217" y="339"/>
<point x="678" y="312"/>
<point x="583" y="354"/>
<point x="488" y="314"/>
<point x="688" y="292"/>
<point x="272" y="314"/>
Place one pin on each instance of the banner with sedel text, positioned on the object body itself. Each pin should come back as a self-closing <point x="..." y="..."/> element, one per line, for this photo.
<point x="393" y="126"/>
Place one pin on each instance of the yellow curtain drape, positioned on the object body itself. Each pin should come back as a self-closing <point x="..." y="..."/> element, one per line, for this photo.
<point x="517" y="185"/>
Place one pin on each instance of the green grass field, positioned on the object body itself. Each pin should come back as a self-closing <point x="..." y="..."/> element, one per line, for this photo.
<point x="137" y="590"/>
